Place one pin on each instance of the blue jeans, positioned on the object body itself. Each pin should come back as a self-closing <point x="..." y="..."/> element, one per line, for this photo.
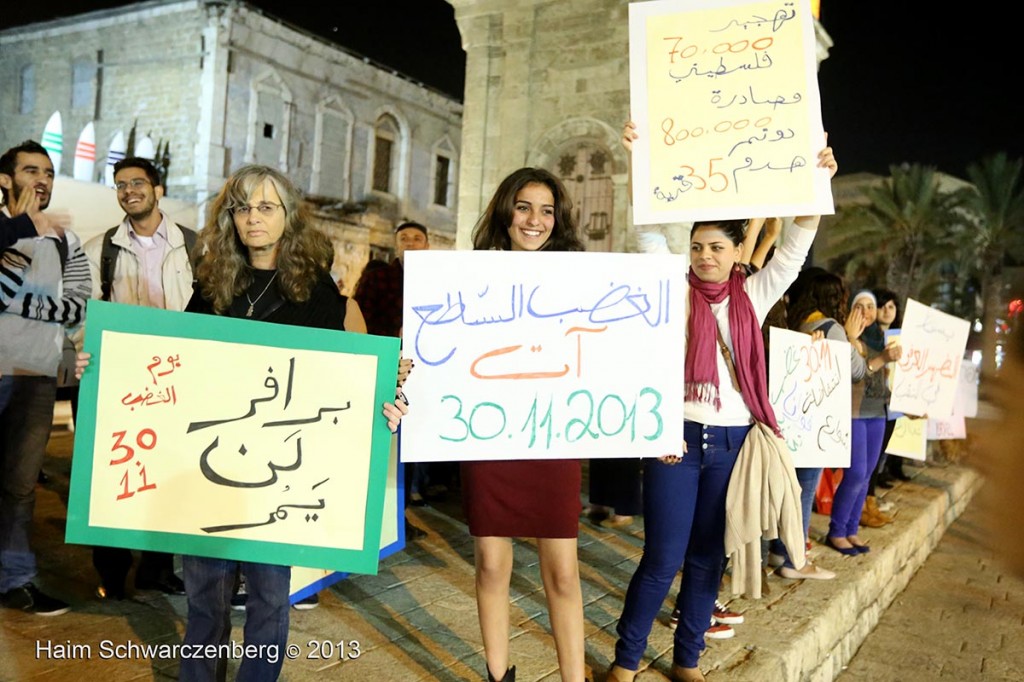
<point x="865" y="447"/>
<point x="25" y="424"/>
<point x="209" y="584"/>
<point x="684" y="525"/>
<point x="808" y="479"/>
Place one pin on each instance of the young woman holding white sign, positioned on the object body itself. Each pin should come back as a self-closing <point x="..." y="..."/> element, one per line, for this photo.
<point x="817" y="304"/>
<point x="726" y="389"/>
<point x="530" y="211"/>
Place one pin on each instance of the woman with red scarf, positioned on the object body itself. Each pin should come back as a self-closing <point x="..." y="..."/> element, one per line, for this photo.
<point x="726" y="389"/>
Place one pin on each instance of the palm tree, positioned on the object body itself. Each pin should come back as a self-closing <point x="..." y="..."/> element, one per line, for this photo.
<point x="901" y="236"/>
<point x="996" y="207"/>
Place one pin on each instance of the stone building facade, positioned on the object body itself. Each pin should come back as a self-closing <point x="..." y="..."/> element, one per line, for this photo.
<point x="547" y="84"/>
<point x="225" y="84"/>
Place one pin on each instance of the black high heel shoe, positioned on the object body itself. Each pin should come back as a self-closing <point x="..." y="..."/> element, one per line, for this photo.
<point x="510" y="675"/>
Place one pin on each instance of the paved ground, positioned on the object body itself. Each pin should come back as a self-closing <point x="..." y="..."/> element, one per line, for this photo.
<point x="961" y="617"/>
<point x="416" y="620"/>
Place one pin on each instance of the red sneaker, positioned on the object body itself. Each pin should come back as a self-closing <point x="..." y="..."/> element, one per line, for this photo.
<point x="722" y="615"/>
<point x="719" y="632"/>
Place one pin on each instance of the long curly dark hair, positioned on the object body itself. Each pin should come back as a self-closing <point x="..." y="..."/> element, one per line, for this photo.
<point x="491" y="231"/>
<point x="303" y="253"/>
<point x="816" y="290"/>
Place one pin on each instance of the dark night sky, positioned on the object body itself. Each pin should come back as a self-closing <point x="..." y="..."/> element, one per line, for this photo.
<point x="904" y="82"/>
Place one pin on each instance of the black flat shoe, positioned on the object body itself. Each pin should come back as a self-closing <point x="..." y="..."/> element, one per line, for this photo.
<point x="848" y="551"/>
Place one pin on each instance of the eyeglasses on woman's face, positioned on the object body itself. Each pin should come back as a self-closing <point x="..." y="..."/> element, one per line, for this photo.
<point x="265" y="208"/>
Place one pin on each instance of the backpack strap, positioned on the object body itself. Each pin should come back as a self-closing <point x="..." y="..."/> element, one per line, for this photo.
<point x="191" y="237"/>
<point x="108" y="257"/>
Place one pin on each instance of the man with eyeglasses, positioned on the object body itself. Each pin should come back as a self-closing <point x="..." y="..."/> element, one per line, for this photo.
<point x="146" y="260"/>
<point x="44" y="283"/>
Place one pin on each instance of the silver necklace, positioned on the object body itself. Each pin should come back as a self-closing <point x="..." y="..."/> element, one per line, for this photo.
<point x="252" y="303"/>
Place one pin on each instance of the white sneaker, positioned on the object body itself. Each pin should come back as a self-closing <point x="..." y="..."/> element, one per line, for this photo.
<point x="775" y="560"/>
<point x="239" y="598"/>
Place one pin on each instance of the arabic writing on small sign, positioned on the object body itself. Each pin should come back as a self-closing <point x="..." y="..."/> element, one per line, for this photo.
<point x="908" y="438"/>
<point x="727" y="103"/>
<point x="809" y="389"/>
<point x="128" y="449"/>
<point x="926" y="376"/>
<point x="513" y="366"/>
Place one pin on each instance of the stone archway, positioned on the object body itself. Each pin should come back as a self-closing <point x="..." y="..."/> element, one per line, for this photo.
<point x="586" y="155"/>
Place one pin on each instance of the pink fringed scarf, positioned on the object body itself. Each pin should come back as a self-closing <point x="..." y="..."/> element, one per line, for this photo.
<point x="748" y="347"/>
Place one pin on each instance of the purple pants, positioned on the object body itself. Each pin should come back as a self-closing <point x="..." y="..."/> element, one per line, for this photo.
<point x="866" y="446"/>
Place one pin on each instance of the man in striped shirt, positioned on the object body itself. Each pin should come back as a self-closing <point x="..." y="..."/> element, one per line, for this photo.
<point x="44" y="284"/>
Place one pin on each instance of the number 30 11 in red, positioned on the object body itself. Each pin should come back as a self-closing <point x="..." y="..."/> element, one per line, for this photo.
<point x="144" y="440"/>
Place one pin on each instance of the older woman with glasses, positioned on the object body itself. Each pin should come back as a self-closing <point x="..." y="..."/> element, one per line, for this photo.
<point x="262" y="261"/>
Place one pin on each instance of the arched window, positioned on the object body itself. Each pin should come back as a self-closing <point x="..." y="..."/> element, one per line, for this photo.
<point x="386" y="143"/>
<point x="331" y="150"/>
<point x="83" y="76"/>
<point x="445" y="172"/>
<point x="586" y="171"/>
<point x="270" y="110"/>
<point x="27" y="90"/>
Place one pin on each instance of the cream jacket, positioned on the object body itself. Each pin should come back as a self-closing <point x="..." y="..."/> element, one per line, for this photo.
<point x="763" y="501"/>
<point x="125" y="286"/>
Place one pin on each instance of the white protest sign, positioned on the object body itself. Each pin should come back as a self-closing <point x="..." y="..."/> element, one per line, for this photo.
<point x="543" y="355"/>
<point x="809" y="389"/>
<point x="948" y="428"/>
<point x="966" y="402"/>
<point x="926" y="377"/>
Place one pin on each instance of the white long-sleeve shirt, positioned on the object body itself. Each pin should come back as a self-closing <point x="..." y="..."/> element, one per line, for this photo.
<point x="764" y="288"/>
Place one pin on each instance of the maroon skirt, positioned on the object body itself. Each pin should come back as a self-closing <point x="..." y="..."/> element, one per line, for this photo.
<point x="522" y="498"/>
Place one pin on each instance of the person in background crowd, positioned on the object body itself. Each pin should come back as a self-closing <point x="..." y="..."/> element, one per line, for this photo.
<point x="890" y="316"/>
<point x="379" y="294"/>
<point x="870" y="398"/>
<point x="145" y="261"/>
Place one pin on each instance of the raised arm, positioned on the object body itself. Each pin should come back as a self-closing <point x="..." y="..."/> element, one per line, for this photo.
<point x="772" y="230"/>
<point x="750" y="239"/>
<point x="826" y="159"/>
<point x="648" y="238"/>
